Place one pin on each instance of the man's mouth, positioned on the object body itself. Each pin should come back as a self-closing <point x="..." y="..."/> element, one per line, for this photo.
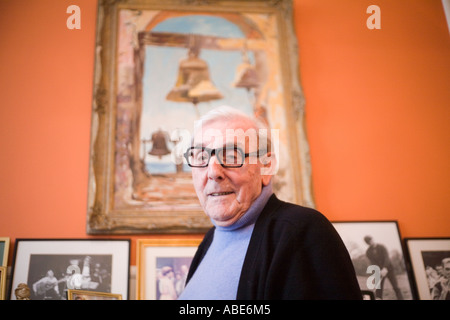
<point x="218" y="194"/>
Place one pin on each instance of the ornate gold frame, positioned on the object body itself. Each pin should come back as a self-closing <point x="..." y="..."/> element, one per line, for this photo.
<point x="3" y="272"/>
<point x="5" y="241"/>
<point x="114" y="207"/>
<point x="142" y="269"/>
<point x="75" y="294"/>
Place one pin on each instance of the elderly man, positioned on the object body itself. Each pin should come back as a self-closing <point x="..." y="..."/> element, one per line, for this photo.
<point x="260" y="247"/>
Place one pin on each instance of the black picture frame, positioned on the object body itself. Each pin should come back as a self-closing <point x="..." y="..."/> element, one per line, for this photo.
<point x="49" y="267"/>
<point x="424" y="256"/>
<point x="393" y="283"/>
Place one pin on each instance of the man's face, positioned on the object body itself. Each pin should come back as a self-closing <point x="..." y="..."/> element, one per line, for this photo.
<point x="446" y="270"/>
<point x="227" y="193"/>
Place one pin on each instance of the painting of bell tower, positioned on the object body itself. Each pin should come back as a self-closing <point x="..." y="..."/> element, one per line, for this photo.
<point x="184" y="65"/>
<point x="162" y="65"/>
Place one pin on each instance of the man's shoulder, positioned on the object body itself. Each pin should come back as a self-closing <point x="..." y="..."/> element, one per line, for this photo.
<point x="293" y="216"/>
<point x="288" y="211"/>
<point x="289" y="224"/>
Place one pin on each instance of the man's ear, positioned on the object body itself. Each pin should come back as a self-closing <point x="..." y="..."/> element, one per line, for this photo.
<point x="269" y="167"/>
<point x="265" y="179"/>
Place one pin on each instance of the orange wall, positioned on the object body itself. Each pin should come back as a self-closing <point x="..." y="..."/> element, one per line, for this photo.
<point x="378" y="111"/>
<point x="377" y="103"/>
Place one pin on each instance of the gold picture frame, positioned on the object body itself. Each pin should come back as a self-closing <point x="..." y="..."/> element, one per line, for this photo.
<point x="157" y="260"/>
<point x="3" y="272"/>
<point x="73" y="294"/>
<point x="4" y="250"/>
<point x="145" y="104"/>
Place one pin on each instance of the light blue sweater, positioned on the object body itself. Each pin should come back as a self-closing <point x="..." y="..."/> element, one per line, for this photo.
<point x="217" y="276"/>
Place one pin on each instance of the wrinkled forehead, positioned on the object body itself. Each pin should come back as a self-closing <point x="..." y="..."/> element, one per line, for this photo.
<point x="216" y="134"/>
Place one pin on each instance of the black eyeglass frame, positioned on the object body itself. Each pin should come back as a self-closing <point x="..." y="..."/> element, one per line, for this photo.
<point x="218" y="151"/>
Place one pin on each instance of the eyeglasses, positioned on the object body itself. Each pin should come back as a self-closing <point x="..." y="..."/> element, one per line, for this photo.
<point x="229" y="157"/>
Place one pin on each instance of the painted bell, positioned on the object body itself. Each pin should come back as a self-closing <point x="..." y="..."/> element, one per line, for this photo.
<point x="193" y="82"/>
<point x="159" y="148"/>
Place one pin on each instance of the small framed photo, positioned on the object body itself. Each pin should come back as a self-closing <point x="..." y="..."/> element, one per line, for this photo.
<point x="50" y="267"/>
<point x="3" y="283"/>
<point x="376" y="250"/>
<point x="162" y="266"/>
<point x="430" y="262"/>
<point x="73" y="294"/>
<point x="4" y="251"/>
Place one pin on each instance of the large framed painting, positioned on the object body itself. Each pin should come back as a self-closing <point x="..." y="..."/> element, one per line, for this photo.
<point x="160" y="65"/>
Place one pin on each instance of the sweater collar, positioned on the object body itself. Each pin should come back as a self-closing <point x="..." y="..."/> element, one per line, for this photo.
<point x="252" y="213"/>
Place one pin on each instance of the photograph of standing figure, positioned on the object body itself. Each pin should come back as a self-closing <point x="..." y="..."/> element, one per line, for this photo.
<point x="377" y="256"/>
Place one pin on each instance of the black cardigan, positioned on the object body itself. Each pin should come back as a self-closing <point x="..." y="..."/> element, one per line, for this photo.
<point x="294" y="253"/>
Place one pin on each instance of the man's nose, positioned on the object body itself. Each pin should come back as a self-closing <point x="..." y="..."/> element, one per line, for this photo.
<point x="215" y="169"/>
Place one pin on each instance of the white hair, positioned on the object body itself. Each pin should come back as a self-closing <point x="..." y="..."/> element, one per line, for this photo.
<point x="228" y="113"/>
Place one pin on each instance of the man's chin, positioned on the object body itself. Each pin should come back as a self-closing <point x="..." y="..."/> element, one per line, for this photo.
<point x="222" y="219"/>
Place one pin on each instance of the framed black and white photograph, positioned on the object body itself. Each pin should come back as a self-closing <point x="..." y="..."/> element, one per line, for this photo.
<point x="50" y="267"/>
<point x="378" y="257"/>
<point x="162" y="267"/>
<point x="430" y="262"/>
<point x="4" y="251"/>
